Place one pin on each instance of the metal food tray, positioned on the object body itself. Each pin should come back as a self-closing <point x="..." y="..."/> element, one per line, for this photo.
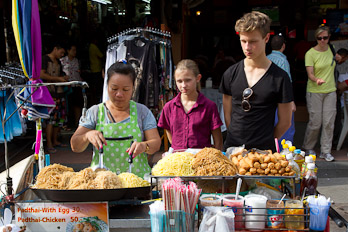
<point x="196" y="177"/>
<point x="79" y="195"/>
<point x="144" y="193"/>
<point x="88" y="195"/>
<point x="265" y="177"/>
<point x="223" y="178"/>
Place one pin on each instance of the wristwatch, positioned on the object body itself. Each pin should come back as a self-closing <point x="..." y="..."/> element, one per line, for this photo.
<point x="147" y="148"/>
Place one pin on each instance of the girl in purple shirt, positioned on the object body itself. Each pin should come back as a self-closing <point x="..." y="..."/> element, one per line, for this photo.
<point x="190" y="118"/>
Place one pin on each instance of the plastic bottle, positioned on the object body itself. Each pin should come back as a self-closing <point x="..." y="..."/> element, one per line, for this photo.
<point x="292" y="150"/>
<point x="310" y="180"/>
<point x="289" y="143"/>
<point x="283" y="142"/>
<point x="314" y="159"/>
<point x="285" y="149"/>
<point x="298" y="155"/>
<point x="294" y="165"/>
<point x="308" y="159"/>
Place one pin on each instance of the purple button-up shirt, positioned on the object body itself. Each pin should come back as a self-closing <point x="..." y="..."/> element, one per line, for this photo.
<point x="191" y="129"/>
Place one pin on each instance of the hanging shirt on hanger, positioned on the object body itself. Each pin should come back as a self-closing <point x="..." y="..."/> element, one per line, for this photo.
<point x="110" y="59"/>
<point x="140" y="54"/>
<point x="13" y="126"/>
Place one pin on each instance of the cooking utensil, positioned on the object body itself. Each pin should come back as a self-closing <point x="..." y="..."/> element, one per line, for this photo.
<point x="130" y="159"/>
<point x="151" y="201"/>
<point x="101" y="161"/>
<point x="101" y="153"/>
<point x="253" y="150"/>
<point x="239" y="184"/>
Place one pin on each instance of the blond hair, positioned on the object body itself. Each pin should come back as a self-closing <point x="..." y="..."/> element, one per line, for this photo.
<point x="188" y="64"/>
<point x="321" y="29"/>
<point x="254" y="21"/>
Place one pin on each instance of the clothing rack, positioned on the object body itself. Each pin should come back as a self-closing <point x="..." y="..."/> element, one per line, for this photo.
<point x="12" y="74"/>
<point x="156" y="31"/>
<point x="81" y="84"/>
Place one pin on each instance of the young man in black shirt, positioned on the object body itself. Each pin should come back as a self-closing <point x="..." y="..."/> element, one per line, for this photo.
<point x="253" y="88"/>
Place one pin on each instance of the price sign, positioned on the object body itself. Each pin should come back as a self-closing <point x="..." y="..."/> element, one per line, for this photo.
<point x="67" y="217"/>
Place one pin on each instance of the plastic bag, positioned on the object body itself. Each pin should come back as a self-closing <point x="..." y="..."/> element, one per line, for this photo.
<point x="234" y="151"/>
<point x="217" y="219"/>
<point x="267" y="192"/>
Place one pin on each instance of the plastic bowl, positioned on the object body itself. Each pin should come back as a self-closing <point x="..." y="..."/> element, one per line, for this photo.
<point x="230" y="200"/>
<point x="210" y="200"/>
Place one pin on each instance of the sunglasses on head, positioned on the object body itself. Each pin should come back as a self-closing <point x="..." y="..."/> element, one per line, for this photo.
<point x="245" y="102"/>
<point x="324" y="37"/>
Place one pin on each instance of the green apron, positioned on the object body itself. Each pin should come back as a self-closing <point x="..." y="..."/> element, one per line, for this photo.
<point x="115" y="155"/>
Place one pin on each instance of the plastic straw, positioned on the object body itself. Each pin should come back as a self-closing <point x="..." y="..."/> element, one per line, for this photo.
<point x="281" y="199"/>
<point x="276" y="144"/>
<point x="178" y="196"/>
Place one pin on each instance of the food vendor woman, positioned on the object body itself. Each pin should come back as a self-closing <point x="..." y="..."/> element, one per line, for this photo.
<point x="190" y="119"/>
<point x="119" y="117"/>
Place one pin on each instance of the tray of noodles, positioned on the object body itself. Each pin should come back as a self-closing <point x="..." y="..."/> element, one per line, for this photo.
<point x="60" y="183"/>
<point x="135" y="186"/>
<point x="80" y="195"/>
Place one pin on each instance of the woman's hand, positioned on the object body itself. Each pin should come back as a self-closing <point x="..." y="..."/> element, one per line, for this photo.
<point x="96" y="138"/>
<point x="320" y="81"/>
<point x="137" y="148"/>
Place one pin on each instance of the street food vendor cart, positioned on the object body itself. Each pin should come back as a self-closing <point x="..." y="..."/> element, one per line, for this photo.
<point x="123" y="209"/>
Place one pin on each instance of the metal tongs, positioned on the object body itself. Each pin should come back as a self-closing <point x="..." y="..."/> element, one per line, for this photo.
<point x="253" y="150"/>
<point x="101" y="164"/>
<point x="130" y="159"/>
<point x="101" y="160"/>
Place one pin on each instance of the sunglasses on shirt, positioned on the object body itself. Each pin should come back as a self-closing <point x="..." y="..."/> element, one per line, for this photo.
<point x="245" y="102"/>
<point x="323" y="38"/>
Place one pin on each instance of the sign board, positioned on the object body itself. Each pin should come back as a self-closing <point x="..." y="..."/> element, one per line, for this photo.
<point x="67" y="217"/>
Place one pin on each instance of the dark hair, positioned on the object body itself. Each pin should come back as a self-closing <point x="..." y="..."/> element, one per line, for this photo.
<point x="121" y="68"/>
<point x="57" y="45"/>
<point x="277" y="42"/>
<point x="342" y="52"/>
<point x="70" y="45"/>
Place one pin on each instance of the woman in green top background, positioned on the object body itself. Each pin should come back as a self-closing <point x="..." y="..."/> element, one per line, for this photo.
<point x="321" y="95"/>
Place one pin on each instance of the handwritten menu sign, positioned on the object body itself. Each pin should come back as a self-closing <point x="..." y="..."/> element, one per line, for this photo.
<point x="67" y="217"/>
